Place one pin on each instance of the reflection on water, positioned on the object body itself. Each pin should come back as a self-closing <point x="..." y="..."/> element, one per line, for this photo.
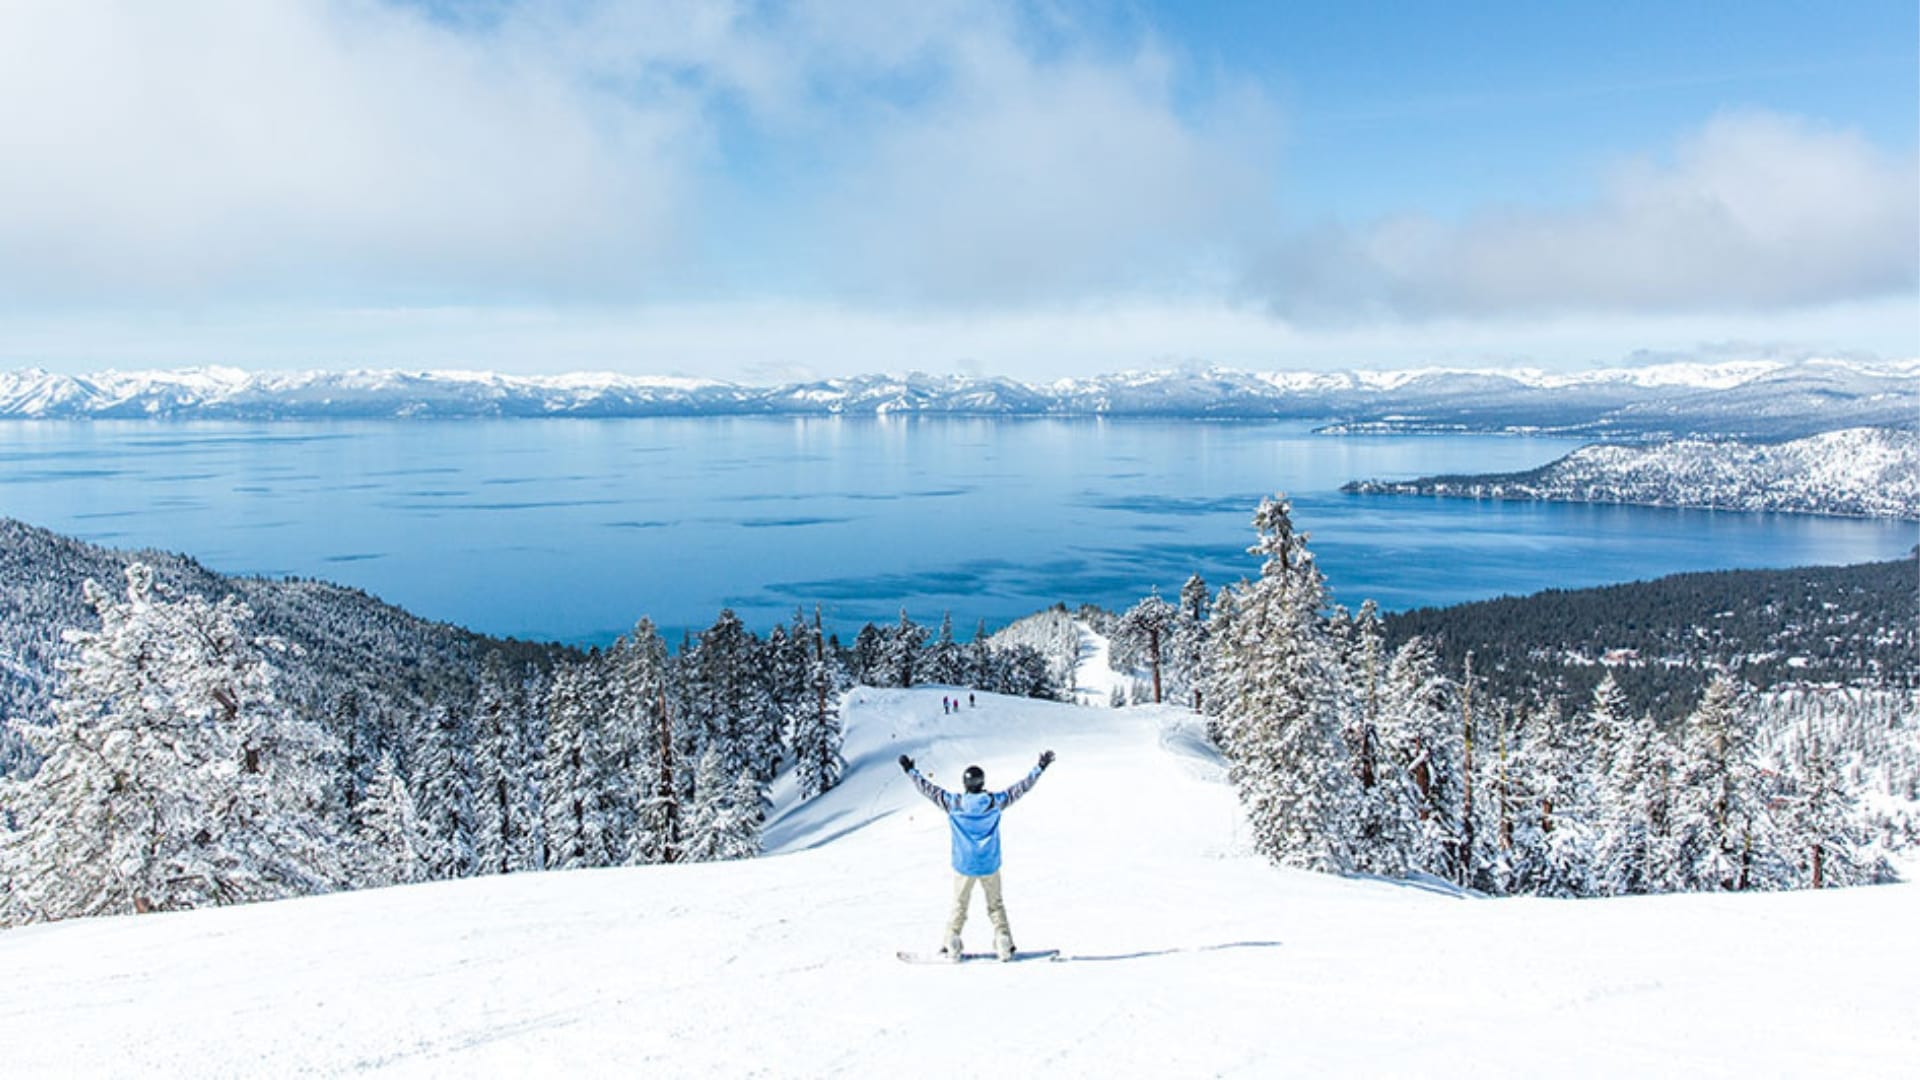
<point x="572" y="529"/>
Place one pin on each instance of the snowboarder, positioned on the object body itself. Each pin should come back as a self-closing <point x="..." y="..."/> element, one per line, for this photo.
<point x="974" y="819"/>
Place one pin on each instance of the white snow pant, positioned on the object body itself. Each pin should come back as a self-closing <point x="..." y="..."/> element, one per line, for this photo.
<point x="963" y="898"/>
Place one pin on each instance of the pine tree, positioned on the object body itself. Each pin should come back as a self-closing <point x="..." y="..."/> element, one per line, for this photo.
<point x="1422" y="739"/>
<point x="1387" y="816"/>
<point x="1636" y="852"/>
<point x="979" y="658"/>
<point x="1822" y="836"/>
<point x="899" y="660"/>
<point x="869" y="647"/>
<point x="171" y="777"/>
<point x="570" y="793"/>
<point x="724" y="821"/>
<point x="945" y="660"/>
<point x="444" y="784"/>
<point x="1281" y="727"/>
<point x="1557" y="816"/>
<point x="502" y="814"/>
<point x="816" y="723"/>
<point x="735" y="711"/>
<point x="658" y="837"/>
<point x="388" y="829"/>
<point x="631" y="747"/>
<point x="1186" y="668"/>
<point x="1607" y="720"/>
<point x="1145" y="637"/>
<point x="1723" y="831"/>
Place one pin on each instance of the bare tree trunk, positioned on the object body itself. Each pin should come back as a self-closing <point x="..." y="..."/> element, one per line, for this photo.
<point x="1153" y="652"/>
<point x="670" y="843"/>
<point x="1466" y="816"/>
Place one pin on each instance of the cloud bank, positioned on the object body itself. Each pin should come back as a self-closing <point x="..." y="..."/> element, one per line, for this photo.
<point x="948" y="183"/>
<point x="1755" y="211"/>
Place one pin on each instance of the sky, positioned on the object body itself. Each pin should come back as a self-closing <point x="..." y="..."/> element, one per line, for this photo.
<point x="779" y="191"/>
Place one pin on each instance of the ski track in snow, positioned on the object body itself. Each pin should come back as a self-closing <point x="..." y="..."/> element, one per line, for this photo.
<point x="1190" y="957"/>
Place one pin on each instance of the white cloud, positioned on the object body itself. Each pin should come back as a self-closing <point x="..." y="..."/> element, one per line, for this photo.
<point x="1755" y="211"/>
<point x="784" y="341"/>
<point x="207" y="148"/>
<point x="762" y="189"/>
<point x="1029" y="181"/>
<point x="354" y="150"/>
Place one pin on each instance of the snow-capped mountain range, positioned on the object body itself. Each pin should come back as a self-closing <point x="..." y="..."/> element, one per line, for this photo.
<point x="1768" y="399"/>
<point x="1861" y="472"/>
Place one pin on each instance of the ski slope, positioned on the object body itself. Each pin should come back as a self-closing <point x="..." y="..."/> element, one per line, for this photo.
<point x="1188" y="956"/>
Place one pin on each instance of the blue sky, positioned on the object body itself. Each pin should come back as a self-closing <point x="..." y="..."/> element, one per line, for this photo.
<point x="768" y="191"/>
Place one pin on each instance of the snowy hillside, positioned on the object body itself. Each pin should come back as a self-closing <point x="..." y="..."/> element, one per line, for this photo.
<point x="1861" y="472"/>
<point x="1755" y="398"/>
<point x="1186" y="955"/>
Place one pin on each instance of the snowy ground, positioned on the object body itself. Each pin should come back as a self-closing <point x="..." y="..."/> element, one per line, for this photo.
<point x="1189" y="957"/>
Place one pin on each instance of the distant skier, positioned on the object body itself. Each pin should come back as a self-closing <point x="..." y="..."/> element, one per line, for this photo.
<point x="969" y="700"/>
<point x="974" y="819"/>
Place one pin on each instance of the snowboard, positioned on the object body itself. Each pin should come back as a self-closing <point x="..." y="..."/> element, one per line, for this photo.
<point x="968" y="958"/>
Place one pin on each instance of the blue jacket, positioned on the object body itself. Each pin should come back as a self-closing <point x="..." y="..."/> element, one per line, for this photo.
<point x="975" y="821"/>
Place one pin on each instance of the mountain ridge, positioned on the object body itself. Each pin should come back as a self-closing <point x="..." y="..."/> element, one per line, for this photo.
<point x="1753" y="399"/>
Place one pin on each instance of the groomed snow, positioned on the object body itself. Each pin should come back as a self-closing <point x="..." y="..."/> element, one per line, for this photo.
<point x="1191" y="957"/>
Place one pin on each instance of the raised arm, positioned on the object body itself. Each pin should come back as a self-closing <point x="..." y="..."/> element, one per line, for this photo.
<point x="941" y="797"/>
<point x="1012" y="795"/>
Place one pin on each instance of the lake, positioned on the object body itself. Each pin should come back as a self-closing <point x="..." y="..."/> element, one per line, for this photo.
<point x="572" y="529"/>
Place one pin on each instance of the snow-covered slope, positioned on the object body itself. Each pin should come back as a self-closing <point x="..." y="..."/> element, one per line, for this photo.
<point x="1188" y="956"/>
<point x="1758" y="398"/>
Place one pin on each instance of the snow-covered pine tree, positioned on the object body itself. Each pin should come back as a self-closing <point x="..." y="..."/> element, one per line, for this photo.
<point x="1821" y="834"/>
<point x="724" y="820"/>
<point x="735" y="711"/>
<point x="444" y="783"/>
<point x="570" y="790"/>
<point x="633" y="749"/>
<point x="1220" y="682"/>
<point x="945" y="660"/>
<point x="505" y="796"/>
<point x="1281" y="728"/>
<point x="530" y="701"/>
<point x="1387" y="822"/>
<point x="360" y="754"/>
<point x="1557" y="819"/>
<point x="1499" y="865"/>
<point x="1144" y="638"/>
<point x="1186" y="666"/>
<point x="1607" y="720"/>
<point x="388" y="830"/>
<point x="1635" y="852"/>
<point x="979" y="658"/>
<point x="816" y="721"/>
<point x="171" y="777"/>
<point x="1421" y="737"/>
<point x="1723" y="829"/>
<point x="869" y="647"/>
<point x="900" y="654"/>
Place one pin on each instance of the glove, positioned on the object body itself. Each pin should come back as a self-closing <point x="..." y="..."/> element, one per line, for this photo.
<point x="906" y="763"/>
<point x="1046" y="758"/>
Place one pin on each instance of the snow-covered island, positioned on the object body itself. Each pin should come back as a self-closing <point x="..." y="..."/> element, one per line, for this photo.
<point x="1859" y="472"/>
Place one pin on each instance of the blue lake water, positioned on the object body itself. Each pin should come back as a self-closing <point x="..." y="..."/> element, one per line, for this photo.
<point x="573" y="529"/>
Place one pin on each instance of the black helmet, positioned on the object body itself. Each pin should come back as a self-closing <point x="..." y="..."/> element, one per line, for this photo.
<point x="975" y="778"/>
